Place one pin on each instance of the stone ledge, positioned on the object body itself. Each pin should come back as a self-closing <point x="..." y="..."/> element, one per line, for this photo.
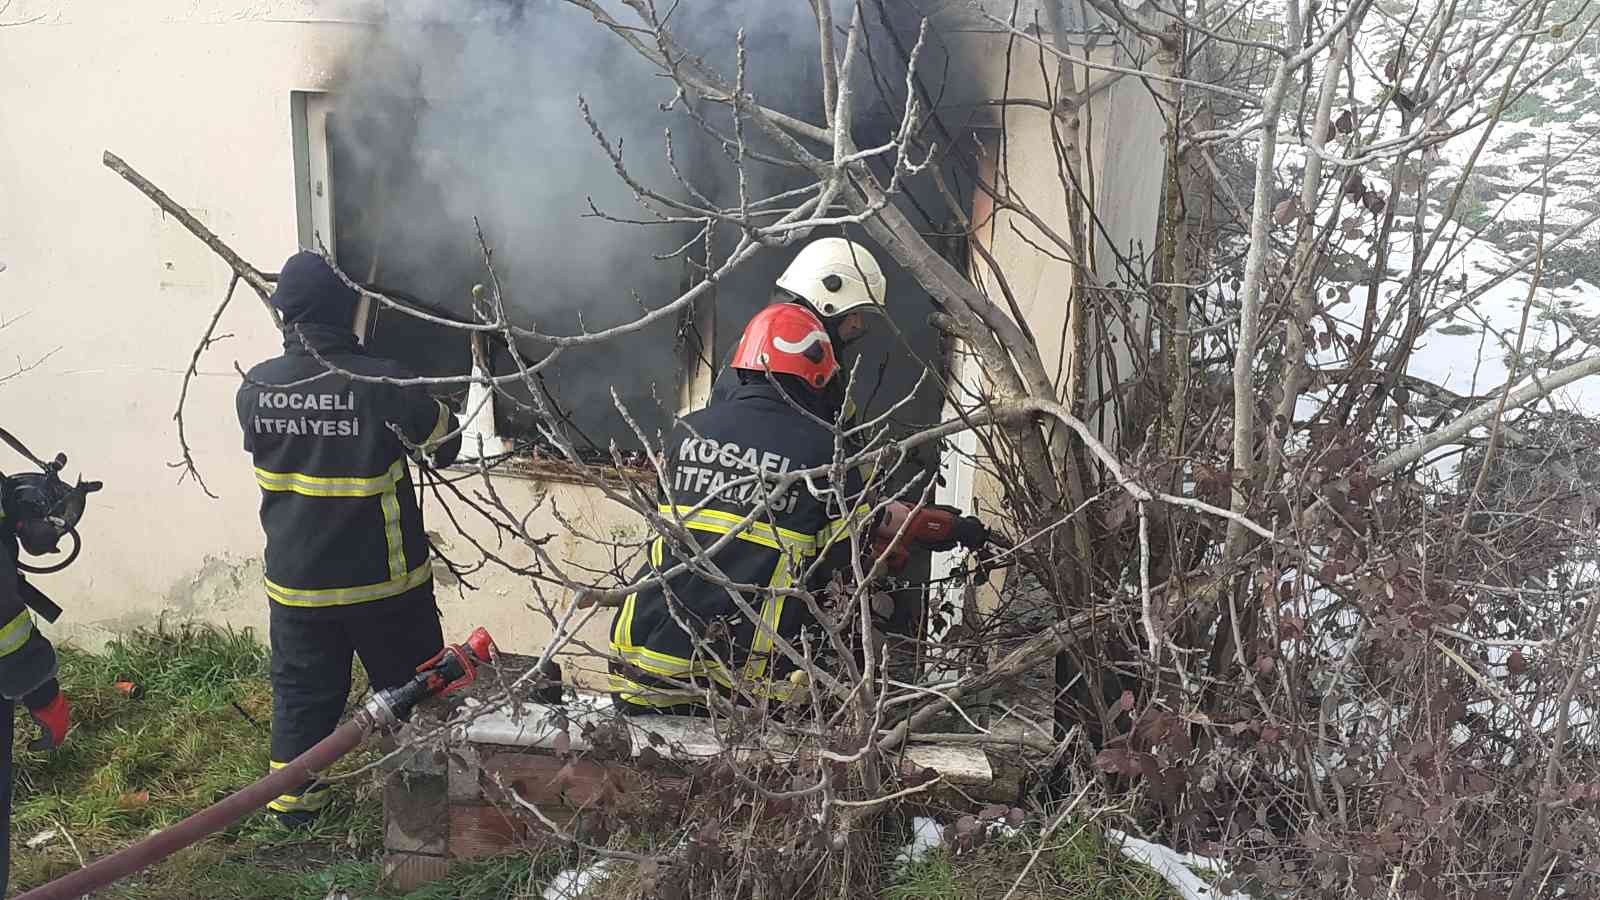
<point x="684" y="739"/>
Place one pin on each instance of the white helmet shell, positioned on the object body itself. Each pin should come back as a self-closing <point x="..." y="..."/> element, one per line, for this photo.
<point x="835" y="276"/>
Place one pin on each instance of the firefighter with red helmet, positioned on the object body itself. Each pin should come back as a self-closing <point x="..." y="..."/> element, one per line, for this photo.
<point x="675" y="640"/>
<point x="838" y="281"/>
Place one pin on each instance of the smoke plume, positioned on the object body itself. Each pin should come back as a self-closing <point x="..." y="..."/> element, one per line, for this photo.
<point x="454" y="111"/>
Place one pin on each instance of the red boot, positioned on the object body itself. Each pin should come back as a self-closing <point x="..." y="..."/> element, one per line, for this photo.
<point x="55" y="720"/>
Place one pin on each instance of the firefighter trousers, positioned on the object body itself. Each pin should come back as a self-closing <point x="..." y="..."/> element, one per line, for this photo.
<point x="7" y="730"/>
<point x="311" y="655"/>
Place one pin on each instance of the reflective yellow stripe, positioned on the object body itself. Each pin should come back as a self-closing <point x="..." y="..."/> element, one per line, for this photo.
<point x="440" y="427"/>
<point x="652" y="661"/>
<point x="390" y="501"/>
<point x="680" y="669"/>
<point x="669" y="666"/>
<point x="386" y="488"/>
<point x="16" y="633"/>
<point x="756" y="532"/>
<point x="653" y="695"/>
<point x="351" y="595"/>
<point x="644" y="695"/>
<point x="325" y="486"/>
<point x="622" y="629"/>
<point x="761" y="644"/>
<point x="841" y="528"/>
<point x="313" y="799"/>
<point x="793" y="548"/>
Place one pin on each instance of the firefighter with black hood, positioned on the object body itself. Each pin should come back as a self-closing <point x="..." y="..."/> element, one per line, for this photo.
<point x="347" y="558"/>
<point x="675" y="641"/>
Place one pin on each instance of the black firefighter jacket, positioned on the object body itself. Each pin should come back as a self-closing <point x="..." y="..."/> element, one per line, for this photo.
<point x="337" y="503"/>
<point x="27" y="660"/>
<point x="751" y="430"/>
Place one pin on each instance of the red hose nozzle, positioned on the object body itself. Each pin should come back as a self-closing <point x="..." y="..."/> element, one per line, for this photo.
<point x="481" y="644"/>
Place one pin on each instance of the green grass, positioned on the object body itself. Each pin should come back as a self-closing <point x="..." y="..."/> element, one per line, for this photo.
<point x="934" y="877"/>
<point x="1075" y="863"/>
<point x="186" y="744"/>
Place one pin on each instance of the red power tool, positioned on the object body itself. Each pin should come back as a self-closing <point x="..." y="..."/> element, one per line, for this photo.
<point x="935" y="528"/>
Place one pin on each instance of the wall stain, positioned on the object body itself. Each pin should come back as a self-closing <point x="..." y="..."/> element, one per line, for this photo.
<point x="221" y="584"/>
<point x="224" y="590"/>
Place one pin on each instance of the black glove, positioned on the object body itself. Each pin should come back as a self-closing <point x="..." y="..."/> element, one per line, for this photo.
<point x="953" y="529"/>
<point x="970" y="532"/>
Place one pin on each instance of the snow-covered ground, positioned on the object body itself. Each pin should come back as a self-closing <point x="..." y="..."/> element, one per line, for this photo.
<point x="1468" y="352"/>
<point x="1179" y="869"/>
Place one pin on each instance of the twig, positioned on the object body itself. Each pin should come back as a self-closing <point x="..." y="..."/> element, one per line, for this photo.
<point x="1045" y="836"/>
<point x="1482" y="413"/>
<point x="1515" y="363"/>
<point x="67" y="833"/>
<point x="241" y="269"/>
<point x="1255" y="270"/>
<point x="889" y="798"/>
<point x="562" y="834"/>
<point x="1540" y="834"/>
<point x="187" y="463"/>
<point x="1146" y="604"/>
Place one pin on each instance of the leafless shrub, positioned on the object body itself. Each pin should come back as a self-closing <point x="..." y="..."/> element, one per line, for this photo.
<point x="1294" y="603"/>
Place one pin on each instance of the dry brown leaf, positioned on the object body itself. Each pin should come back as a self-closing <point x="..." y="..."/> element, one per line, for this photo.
<point x="1517" y="663"/>
<point x="133" y="800"/>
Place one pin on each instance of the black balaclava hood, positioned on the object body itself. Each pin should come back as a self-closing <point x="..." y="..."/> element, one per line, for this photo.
<point x="822" y="404"/>
<point x="311" y="293"/>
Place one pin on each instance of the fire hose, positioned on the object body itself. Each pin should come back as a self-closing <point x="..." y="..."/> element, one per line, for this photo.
<point x="453" y="668"/>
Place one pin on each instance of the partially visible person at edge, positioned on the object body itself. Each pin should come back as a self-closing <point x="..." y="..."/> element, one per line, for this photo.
<point x="347" y="559"/>
<point x="840" y="283"/>
<point x="27" y="658"/>
<point x="784" y="360"/>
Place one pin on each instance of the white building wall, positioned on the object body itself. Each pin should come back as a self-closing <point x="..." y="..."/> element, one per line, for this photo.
<point x="1122" y="163"/>
<point x="196" y="96"/>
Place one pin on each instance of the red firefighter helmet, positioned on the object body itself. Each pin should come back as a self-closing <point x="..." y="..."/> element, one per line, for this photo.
<point x="788" y="338"/>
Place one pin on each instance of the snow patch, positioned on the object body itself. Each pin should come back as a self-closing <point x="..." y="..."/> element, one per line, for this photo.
<point x="570" y="884"/>
<point x="1177" y="868"/>
<point x="926" y="835"/>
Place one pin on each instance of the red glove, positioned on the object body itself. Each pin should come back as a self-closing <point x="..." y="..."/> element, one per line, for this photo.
<point x="55" y="720"/>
